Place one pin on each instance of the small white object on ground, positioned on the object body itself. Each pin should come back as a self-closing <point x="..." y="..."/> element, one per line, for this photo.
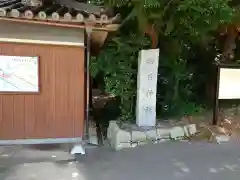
<point x="5" y="155"/>
<point x="222" y="138"/>
<point x="185" y="170"/>
<point x="213" y="170"/>
<point x="78" y="149"/>
<point x="75" y="174"/>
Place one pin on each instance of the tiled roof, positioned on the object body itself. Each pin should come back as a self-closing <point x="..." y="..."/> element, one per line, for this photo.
<point x="59" y="11"/>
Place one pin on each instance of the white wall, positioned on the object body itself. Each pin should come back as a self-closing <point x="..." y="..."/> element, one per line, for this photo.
<point x="40" y="34"/>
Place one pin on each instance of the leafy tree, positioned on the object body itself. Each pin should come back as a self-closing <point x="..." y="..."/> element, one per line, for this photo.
<point x="178" y="18"/>
<point x="179" y="28"/>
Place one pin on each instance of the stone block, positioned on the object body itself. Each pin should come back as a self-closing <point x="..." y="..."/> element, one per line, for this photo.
<point x="221" y="138"/>
<point x="190" y="129"/>
<point x="142" y="143"/>
<point x="177" y="132"/>
<point x="152" y="134"/>
<point x="163" y="133"/>
<point x="123" y="146"/>
<point x="138" y="136"/>
<point x="120" y="139"/>
<point x="113" y="126"/>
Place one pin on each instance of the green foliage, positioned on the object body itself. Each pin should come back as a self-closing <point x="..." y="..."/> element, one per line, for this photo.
<point x="188" y="45"/>
<point x="178" y="17"/>
<point x="118" y="62"/>
<point x="179" y="80"/>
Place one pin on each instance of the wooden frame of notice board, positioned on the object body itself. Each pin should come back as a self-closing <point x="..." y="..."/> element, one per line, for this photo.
<point x="37" y="91"/>
<point x="227" y="85"/>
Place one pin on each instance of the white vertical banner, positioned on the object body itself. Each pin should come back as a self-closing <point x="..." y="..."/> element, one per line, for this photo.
<point x="147" y="87"/>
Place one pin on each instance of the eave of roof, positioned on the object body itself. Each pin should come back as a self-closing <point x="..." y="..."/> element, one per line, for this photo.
<point x="59" y="13"/>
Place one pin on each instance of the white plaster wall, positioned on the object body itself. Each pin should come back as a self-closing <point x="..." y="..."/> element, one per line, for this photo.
<point x="40" y="34"/>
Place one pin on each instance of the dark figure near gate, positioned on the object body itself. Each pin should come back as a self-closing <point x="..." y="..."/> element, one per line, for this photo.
<point x="104" y="108"/>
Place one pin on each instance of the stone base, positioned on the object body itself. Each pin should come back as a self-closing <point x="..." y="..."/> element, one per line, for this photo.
<point x="127" y="136"/>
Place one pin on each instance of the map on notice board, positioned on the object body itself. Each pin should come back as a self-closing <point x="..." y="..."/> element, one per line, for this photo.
<point x="18" y="74"/>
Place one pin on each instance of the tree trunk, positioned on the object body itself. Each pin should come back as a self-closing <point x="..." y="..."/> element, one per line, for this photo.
<point x="229" y="45"/>
<point x="151" y="31"/>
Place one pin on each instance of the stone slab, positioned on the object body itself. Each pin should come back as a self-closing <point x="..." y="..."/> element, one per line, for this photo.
<point x="163" y="133"/>
<point x="190" y="129"/>
<point x="138" y="136"/>
<point x="177" y="132"/>
<point x="152" y="134"/>
<point x="221" y="138"/>
<point x="129" y="135"/>
<point x="120" y="139"/>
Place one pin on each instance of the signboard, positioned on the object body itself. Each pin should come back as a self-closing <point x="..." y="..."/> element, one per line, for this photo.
<point x="229" y="83"/>
<point x="18" y="74"/>
<point x="147" y="87"/>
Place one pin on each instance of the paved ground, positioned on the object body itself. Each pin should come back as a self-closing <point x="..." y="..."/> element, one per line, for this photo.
<point x="165" y="161"/>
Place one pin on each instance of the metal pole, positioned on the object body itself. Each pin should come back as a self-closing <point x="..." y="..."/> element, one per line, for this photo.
<point x="216" y="98"/>
<point x="88" y="31"/>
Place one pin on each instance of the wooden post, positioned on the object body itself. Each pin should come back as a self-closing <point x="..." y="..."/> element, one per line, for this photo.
<point x="216" y="100"/>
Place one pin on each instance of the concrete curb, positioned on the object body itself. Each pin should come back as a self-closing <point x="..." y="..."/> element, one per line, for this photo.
<point x="120" y="138"/>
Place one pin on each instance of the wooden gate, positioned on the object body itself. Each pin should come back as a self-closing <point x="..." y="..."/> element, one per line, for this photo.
<point x="57" y="111"/>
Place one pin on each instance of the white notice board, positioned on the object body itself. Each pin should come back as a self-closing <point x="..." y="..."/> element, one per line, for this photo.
<point x="229" y="83"/>
<point x="19" y="74"/>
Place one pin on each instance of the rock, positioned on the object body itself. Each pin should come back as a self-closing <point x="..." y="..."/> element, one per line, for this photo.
<point x="93" y="140"/>
<point x="152" y="134"/>
<point x="163" y="133"/>
<point x="120" y="139"/>
<point x="221" y="138"/>
<point x="117" y="137"/>
<point x="177" y="132"/>
<point x="123" y="146"/>
<point x="130" y="135"/>
<point x="113" y="126"/>
<point x="138" y="136"/>
<point x="190" y="129"/>
<point x="142" y="143"/>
